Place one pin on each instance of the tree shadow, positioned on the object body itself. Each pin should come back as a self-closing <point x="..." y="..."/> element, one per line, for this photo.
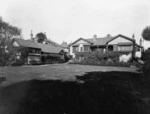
<point x="2" y="79"/>
<point x="100" y="92"/>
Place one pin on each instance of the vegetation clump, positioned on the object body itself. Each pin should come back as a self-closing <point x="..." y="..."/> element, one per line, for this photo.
<point x="108" y="58"/>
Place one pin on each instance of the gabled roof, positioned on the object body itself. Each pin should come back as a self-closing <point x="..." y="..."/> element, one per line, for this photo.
<point x="120" y="35"/>
<point x="79" y="40"/>
<point x="26" y="43"/>
<point x="102" y="41"/>
<point x="49" y="48"/>
<point x="46" y="48"/>
<point x="139" y="46"/>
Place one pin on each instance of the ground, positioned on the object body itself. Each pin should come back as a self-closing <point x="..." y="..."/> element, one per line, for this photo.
<point x="73" y="89"/>
<point x="53" y="71"/>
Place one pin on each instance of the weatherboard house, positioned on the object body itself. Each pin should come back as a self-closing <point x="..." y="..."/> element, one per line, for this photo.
<point x="38" y="52"/>
<point x="119" y="43"/>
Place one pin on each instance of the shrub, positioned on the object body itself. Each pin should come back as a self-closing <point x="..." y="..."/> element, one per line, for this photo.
<point x="146" y="66"/>
<point x="17" y="63"/>
<point x="98" y="57"/>
<point x="146" y="55"/>
<point x="79" y="55"/>
<point x="109" y="58"/>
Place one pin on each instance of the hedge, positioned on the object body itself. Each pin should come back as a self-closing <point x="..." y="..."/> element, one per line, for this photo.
<point x="101" y="58"/>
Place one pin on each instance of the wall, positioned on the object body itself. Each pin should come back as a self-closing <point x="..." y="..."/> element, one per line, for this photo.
<point x="115" y="46"/>
<point x="71" y="51"/>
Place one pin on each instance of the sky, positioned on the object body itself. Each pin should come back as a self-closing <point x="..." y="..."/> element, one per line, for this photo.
<point x="68" y="20"/>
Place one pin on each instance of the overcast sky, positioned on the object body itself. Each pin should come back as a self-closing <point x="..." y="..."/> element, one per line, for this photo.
<point x="67" y="20"/>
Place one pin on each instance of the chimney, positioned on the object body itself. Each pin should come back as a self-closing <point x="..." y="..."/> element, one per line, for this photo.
<point x="94" y="37"/>
<point x="140" y="42"/>
<point x="133" y="37"/>
<point x="31" y="35"/>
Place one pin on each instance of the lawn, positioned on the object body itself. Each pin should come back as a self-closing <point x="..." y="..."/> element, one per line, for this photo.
<point x="73" y="89"/>
<point x="53" y="71"/>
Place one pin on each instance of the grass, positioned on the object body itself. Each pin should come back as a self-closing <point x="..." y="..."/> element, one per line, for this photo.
<point x="54" y="72"/>
<point x="30" y="90"/>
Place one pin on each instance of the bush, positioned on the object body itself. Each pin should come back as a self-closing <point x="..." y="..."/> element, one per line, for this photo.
<point x="17" y="63"/>
<point x="146" y="55"/>
<point x="109" y="58"/>
<point x="98" y="58"/>
<point x="146" y="66"/>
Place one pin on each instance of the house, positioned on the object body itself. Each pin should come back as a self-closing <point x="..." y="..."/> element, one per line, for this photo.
<point x="50" y="52"/>
<point x="120" y="43"/>
<point x="38" y="52"/>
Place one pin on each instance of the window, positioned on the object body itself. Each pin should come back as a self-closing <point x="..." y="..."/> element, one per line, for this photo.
<point x="86" y="48"/>
<point x="81" y="49"/>
<point x="75" y="49"/>
<point x="110" y="48"/>
<point x="124" y="48"/>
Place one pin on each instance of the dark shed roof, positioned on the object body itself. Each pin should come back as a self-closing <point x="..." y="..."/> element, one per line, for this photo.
<point x="46" y="48"/>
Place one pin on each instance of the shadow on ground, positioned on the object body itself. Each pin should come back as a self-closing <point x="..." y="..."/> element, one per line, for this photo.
<point x="99" y="93"/>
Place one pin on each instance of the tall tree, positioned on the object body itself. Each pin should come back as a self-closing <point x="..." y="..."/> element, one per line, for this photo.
<point x="146" y="33"/>
<point x="7" y="33"/>
<point x="41" y="37"/>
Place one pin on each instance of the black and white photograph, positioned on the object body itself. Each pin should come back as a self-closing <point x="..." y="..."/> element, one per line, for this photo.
<point x="74" y="56"/>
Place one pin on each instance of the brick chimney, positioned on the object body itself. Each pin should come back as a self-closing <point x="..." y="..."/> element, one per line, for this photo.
<point x="31" y="35"/>
<point x="94" y="37"/>
<point x="140" y="42"/>
<point x="133" y="36"/>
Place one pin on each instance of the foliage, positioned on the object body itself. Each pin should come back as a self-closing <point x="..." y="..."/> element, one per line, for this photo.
<point x="146" y="55"/>
<point x="8" y="56"/>
<point x="41" y="37"/>
<point x="146" y="66"/>
<point x="97" y="56"/>
<point x="17" y="62"/>
<point x="67" y="57"/>
<point x="79" y="55"/>
<point x="7" y="33"/>
<point x="101" y="58"/>
<point x="52" y="59"/>
<point x="4" y="57"/>
<point x="146" y="33"/>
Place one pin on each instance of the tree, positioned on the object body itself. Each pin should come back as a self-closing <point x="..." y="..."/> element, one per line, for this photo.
<point x="41" y="37"/>
<point x="7" y="33"/>
<point x="146" y="33"/>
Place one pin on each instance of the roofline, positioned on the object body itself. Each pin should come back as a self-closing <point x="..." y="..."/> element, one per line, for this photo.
<point x="79" y="40"/>
<point x="120" y="35"/>
<point x="15" y="39"/>
<point x="139" y="46"/>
